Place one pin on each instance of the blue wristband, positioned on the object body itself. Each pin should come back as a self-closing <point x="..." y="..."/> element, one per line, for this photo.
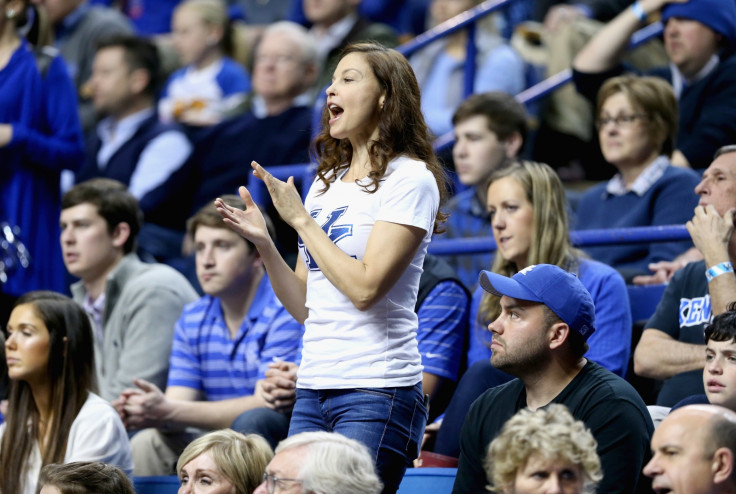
<point x="717" y="270"/>
<point x="638" y="11"/>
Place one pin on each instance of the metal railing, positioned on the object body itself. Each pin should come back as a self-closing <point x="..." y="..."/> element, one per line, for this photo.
<point x="579" y="238"/>
<point x="467" y="20"/>
<point x="477" y="245"/>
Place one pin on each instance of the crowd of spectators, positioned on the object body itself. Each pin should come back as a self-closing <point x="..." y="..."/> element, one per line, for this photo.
<point x="122" y="122"/>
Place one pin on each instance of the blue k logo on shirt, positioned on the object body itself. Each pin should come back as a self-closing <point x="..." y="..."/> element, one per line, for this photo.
<point x="335" y="232"/>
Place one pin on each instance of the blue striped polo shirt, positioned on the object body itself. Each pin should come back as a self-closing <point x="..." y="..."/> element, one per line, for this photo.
<point x="204" y="357"/>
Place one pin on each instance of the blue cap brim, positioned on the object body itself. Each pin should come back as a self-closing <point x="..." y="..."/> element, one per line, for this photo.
<point x="500" y="285"/>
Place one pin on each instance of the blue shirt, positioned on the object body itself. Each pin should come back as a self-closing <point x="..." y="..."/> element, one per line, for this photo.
<point x="468" y="218"/>
<point x="205" y="357"/>
<point x="47" y="138"/>
<point x="211" y="92"/>
<point x="443" y="322"/>
<point x="498" y="68"/>
<point x="670" y="200"/>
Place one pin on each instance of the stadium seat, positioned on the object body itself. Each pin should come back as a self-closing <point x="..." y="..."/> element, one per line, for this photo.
<point x="426" y="480"/>
<point x="156" y="485"/>
<point x="644" y="300"/>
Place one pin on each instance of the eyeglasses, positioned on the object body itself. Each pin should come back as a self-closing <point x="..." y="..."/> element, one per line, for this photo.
<point x="620" y="120"/>
<point x="271" y="481"/>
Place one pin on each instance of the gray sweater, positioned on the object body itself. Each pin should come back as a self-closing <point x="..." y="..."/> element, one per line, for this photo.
<point x="142" y="304"/>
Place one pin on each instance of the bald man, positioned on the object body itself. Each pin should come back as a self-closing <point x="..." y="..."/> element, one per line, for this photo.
<point x="693" y="452"/>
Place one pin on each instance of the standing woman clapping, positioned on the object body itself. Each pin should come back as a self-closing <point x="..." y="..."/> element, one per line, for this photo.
<point x="364" y="230"/>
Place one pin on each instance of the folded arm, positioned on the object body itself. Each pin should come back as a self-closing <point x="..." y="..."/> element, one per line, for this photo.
<point x="659" y="356"/>
<point x="606" y="48"/>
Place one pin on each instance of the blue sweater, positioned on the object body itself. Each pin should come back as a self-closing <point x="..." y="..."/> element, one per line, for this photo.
<point x="221" y="159"/>
<point x="610" y="345"/>
<point x="47" y="138"/>
<point x="123" y="163"/>
<point x="669" y="201"/>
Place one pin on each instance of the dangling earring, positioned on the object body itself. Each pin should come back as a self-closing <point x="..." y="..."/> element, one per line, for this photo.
<point x="10" y="13"/>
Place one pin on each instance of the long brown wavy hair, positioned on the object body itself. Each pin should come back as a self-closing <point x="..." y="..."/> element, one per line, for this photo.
<point x="71" y="375"/>
<point x="402" y="130"/>
<point x="550" y="239"/>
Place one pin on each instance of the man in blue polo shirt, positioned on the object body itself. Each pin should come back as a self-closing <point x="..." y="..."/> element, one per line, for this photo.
<point x="223" y="345"/>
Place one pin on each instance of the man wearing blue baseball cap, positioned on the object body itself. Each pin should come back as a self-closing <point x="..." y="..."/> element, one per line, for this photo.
<point x="699" y="38"/>
<point x="540" y="337"/>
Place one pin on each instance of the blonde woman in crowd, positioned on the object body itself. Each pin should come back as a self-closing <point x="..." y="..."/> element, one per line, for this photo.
<point x="210" y="84"/>
<point x="542" y="451"/>
<point x="223" y="462"/>
<point x="528" y="211"/>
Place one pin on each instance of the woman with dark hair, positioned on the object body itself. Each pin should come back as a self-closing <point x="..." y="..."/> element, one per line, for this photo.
<point x="364" y="230"/>
<point x="53" y="414"/>
<point x="83" y="477"/>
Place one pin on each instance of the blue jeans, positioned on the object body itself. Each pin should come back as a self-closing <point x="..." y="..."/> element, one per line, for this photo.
<point x="269" y="424"/>
<point x="389" y="421"/>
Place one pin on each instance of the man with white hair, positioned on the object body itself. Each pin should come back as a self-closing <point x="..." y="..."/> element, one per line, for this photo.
<point x="693" y="452"/>
<point x="323" y="462"/>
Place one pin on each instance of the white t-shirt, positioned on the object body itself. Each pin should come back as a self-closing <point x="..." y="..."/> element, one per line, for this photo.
<point x="97" y="434"/>
<point x="343" y="346"/>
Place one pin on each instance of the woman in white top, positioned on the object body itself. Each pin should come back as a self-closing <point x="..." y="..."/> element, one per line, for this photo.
<point x="53" y="414"/>
<point x="364" y="230"/>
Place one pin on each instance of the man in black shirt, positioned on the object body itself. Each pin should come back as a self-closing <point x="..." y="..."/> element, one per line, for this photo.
<point x="540" y="337"/>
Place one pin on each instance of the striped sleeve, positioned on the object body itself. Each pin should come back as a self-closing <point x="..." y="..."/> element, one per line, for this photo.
<point x="443" y="322"/>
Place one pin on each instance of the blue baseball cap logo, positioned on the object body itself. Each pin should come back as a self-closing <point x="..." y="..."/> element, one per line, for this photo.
<point x="552" y="286"/>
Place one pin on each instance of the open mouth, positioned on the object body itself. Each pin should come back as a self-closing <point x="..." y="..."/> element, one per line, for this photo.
<point x="335" y="112"/>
